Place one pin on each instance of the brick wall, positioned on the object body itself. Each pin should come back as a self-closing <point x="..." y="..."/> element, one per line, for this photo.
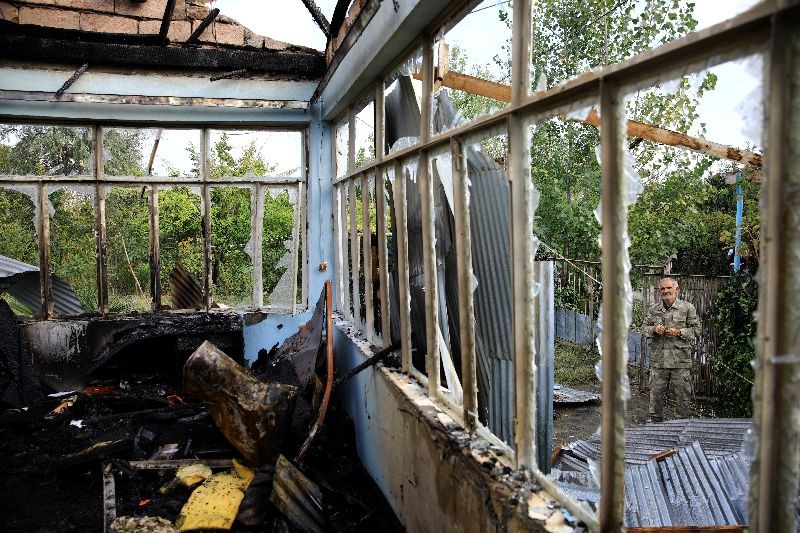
<point x="129" y="17"/>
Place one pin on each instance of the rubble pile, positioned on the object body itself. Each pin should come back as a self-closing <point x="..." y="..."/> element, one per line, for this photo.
<point x="218" y="449"/>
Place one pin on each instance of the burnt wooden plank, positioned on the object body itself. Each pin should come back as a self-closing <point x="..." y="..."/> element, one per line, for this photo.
<point x="202" y="27"/>
<point x="301" y="65"/>
<point x="165" y="21"/>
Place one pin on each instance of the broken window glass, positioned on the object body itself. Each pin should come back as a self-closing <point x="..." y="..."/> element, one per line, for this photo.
<point x="403" y="90"/>
<point x="569" y="37"/>
<point x="180" y="239"/>
<point x="73" y="257"/>
<point x="440" y="172"/>
<point x="472" y="57"/>
<point x="341" y="143"/>
<point x="416" y="269"/>
<point x="365" y="132"/>
<point x="389" y="295"/>
<point x="280" y="247"/>
<point x="255" y="154"/>
<point x="232" y="264"/>
<point x="141" y="152"/>
<point x="19" y="250"/>
<point x="27" y="150"/>
<point x="128" y="249"/>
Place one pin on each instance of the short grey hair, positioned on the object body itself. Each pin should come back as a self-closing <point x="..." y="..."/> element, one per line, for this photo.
<point x="673" y="280"/>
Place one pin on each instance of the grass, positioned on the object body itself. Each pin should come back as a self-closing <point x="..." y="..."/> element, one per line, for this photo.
<point x="574" y="365"/>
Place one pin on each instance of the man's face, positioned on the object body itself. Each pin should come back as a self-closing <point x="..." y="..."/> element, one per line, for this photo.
<point x="668" y="292"/>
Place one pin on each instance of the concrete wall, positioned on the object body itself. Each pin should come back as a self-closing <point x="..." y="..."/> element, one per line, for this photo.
<point x="435" y="476"/>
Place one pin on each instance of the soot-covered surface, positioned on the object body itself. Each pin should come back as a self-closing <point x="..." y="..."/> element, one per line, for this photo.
<point x="52" y="479"/>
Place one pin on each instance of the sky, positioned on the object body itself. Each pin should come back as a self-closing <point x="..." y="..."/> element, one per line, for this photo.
<point x="481" y="35"/>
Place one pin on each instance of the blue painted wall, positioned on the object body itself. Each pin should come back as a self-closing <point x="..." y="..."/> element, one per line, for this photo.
<point x="318" y="238"/>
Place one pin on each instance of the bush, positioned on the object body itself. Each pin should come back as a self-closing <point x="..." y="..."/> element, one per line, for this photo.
<point x="736" y="304"/>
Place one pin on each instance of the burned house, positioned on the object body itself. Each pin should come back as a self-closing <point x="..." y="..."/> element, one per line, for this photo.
<point x="141" y="222"/>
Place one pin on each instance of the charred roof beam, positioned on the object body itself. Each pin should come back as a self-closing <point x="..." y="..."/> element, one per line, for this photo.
<point x="165" y="22"/>
<point x="318" y="17"/>
<point x="67" y="84"/>
<point x="339" y="14"/>
<point x="202" y="27"/>
<point x="27" y="48"/>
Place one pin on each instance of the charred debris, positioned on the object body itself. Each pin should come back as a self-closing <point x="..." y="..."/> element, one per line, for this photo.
<point x="201" y="443"/>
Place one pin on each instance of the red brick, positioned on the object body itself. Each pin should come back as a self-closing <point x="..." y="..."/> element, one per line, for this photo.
<point x="152" y="9"/>
<point x="106" y="6"/>
<point x="179" y="30"/>
<point x="9" y="12"/>
<point x="252" y="39"/>
<point x="53" y="18"/>
<point x="196" y="12"/>
<point x="108" y="23"/>
<point x="232" y="34"/>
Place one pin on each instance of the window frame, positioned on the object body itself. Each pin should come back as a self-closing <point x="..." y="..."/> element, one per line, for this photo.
<point x="769" y="27"/>
<point x="96" y="178"/>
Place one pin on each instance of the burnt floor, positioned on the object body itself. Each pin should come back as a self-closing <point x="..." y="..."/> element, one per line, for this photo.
<point x="50" y="482"/>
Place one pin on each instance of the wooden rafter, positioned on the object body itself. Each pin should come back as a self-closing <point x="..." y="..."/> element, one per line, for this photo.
<point x="501" y="92"/>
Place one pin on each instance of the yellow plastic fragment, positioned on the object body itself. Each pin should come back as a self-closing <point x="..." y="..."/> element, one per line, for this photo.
<point x="215" y="503"/>
<point x="188" y="476"/>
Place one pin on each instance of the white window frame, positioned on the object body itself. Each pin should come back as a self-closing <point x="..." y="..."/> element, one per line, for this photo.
<point x="770" y="27"/>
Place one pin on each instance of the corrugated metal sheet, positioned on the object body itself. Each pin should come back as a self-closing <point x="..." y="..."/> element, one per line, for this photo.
<point x="703" y="482"/>
<point x="21" y="280"/>
<point x="491" y="256"/>
<point x="717" y="436"/>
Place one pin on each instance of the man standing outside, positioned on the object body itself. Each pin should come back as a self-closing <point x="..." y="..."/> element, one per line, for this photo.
<point x="672" y="328"/>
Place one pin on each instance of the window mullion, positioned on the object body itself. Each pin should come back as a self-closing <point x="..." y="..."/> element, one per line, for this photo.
<point x="466" y="316"/>
<point x="774" y="472"/>
<point x="522" y="250"/>
<point x="354" y="252"/>
<point x="399" y="193"/>
<point x="205" y="210"/>
<point x="100" y="222"/>
<point x="380" y="214"/>
<point x="366" y="249"/>
<point x="614" y="328"/>
<point x="297" y="255"/>
<point x="257" y="239"/>
<point x="155" y="250"/>
<point x="46" y="281"/>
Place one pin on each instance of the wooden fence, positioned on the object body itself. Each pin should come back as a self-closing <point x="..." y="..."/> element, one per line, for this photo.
<point x="578" y="290"/>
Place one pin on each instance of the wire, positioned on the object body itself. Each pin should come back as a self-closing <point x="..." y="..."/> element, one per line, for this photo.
<point x="488" y="7"/>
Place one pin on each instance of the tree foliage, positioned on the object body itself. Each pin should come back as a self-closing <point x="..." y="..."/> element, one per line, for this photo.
<point x="737" y="301"/>
<point x="47" y="150"/>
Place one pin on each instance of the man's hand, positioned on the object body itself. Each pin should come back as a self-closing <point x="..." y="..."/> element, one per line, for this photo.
<point x="673" y="332"/>
<point x="659" y="329"/>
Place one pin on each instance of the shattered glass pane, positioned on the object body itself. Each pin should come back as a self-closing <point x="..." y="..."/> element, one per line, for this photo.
<point x="250" y="154"/>
<point x="29" y="150"/>
<point x="181" y="247"/>
<point x="392" y="236"/>
<point x="365" y="133"/>
<point x="73" y="256"/>
<point x="19" y="250"/>
<point x="473" y="52"/>
<point x="416" y="271"/>
<point x="142" y="152"/>
<point x="403" y="90"/>
<point x="128" y="249"/>
<point x="232" y="265"/>
<point x="570" y="38"/>
<point x="341" y="143"/>
<point x="440" y="171"/>
<point x="279" y="247"/>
